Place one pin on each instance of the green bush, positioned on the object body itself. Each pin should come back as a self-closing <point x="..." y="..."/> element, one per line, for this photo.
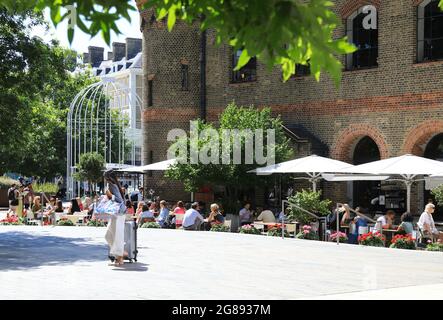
<point x="65" y="223"/>
<point x="310" y="201"/>
<point x="47" y="187"/>
<point x="96" y="223"/>
<point x="218" y="227"/>
<point x="249" y="229"/>
<point x="435" y="247"/>
<point x="152" y="225"/>
<point x="6" y="182"/>
<point x="277" y="232"/>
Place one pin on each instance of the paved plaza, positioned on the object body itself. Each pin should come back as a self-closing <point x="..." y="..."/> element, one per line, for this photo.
<point x="70" y="263"/>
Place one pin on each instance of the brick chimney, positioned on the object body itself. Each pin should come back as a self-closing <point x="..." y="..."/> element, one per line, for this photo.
<point x="110" y="55"/>
<point x="133" y="46"/>
<point x="96" y="56"/>
<point x="119" y="50"/>
<point x="86" y="57"/>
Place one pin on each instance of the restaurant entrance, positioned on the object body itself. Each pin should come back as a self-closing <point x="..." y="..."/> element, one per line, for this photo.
<point x="366" y="150"/>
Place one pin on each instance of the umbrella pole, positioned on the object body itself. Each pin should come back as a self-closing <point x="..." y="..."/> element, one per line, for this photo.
<point x="338" y="226"/>
<point x="408" y="195"/>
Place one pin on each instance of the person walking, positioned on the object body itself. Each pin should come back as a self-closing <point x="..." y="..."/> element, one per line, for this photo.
<point x="115" y="233"/>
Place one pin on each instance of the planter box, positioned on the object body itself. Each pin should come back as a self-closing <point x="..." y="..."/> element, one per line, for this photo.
<point x="4" y="198"/>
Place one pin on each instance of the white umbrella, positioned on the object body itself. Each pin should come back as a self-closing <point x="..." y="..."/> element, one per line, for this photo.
<point x="408" y="168"/>
<point x="313" y="166"/>
<point x="159" y="166"/>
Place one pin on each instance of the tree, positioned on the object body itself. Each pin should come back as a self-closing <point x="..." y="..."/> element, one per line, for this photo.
<point x="90" y="168"/>
<point x="233" y="176"/>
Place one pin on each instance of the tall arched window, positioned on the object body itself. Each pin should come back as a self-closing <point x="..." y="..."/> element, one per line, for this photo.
<point x="365" y="39"/>
<point x="430" y="31"/>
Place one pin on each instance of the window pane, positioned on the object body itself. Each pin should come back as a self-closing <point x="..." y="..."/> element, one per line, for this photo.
<point x="367" y="43"/>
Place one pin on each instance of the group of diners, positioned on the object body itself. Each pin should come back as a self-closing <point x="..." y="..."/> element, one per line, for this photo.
<point x="425" y="227"/>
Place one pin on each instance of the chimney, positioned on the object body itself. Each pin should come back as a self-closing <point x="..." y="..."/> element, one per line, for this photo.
<point x="86" y="58"/>
<point x="119" y="50"/>
<point x="96" y="56"/>
<point x="133" y="46"/>
<point x="110" y="55"/>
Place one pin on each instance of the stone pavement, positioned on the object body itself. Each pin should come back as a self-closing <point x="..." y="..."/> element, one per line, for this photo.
<point x="70" y="263"/>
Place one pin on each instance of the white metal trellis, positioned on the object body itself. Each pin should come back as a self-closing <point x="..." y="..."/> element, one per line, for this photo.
<point x="90" y="115"/>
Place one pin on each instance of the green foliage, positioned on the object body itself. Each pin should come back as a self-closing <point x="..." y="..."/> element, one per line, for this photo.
<point x="234" y="177"/>
<point x="90" y="167"/>
<point x="438" y="193"/>
<point x="310" y="201"/>
<point x="65" y="223"/>
<point x="6" y="182"/>
<point x="437" y="246"/>
<point x="307" y="233"/>
<point x="151" y="225"/>
<point x="47" y="187"/>
<point x="277" y="232"/>
<point x="96" y="223"/>
<point x="279" y="33"/>
<point x="219" y="227"/>
<point x="249" y="229"/>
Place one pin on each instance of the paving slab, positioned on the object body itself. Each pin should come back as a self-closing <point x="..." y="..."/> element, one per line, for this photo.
<point x="70" y="263"/>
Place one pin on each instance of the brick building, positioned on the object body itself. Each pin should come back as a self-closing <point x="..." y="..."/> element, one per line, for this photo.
<point x="390" y="100"/>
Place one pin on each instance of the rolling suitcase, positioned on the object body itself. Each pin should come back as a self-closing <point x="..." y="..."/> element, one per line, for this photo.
<point x="130" y="242"/>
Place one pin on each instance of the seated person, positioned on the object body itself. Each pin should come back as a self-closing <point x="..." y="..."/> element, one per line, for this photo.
<point x="215" y="217"/>
<point x="129" y="207"/>
<point x="358" y="222"/>
<point x="266" y="216"/>
<point x="385" y="222"/>
<point x="146" y="216"/>
<point x="164" y="214"/>
<point x="59" y="207"/>
<point x="50" y="209"/>
<point x="192" y="219"/>
<point x="246" y="214"/>
<point x="74" y="206"/>
<point x="36" y="207"/>
<point x="139" y="209"/>
<point x="427" y="225"/>
<point x="406" y="227"/>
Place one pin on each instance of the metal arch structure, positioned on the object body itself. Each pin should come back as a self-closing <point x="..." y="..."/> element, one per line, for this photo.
<point x="90" y="123"/>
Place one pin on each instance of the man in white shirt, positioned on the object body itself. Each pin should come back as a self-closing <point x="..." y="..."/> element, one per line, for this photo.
<point x="266" y="216"/>
<point x="192" y="219"/>
<point x="385" y="222"/>
<point x="427" y="225"/>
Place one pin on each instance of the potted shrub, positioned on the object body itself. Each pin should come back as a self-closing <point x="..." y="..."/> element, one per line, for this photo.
<point x="372" y="239"/>
<point x="151" y="225"/>
<point x="11" y="221"/>
<point x="307" y="233"/>
<point x="219" y="227"/>
<point x="96" y="223"/>
<point x="342" y="237"/>
<point x="402" y="242"/>
<point x="249" y="229"/>
<point x="437" y="246"/>
<point x="276" y="231"/>
<point x="65" y="222"/>
<point x="310" y="201"/>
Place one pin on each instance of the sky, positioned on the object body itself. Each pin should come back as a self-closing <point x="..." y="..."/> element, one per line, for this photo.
<point x="82" y="41"/>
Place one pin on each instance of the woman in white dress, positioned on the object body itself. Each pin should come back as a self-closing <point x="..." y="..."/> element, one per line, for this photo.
<point x="115" y="233"/>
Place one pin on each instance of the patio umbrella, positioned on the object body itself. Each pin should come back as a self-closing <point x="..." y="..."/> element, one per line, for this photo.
<point x="313" y="166"/>
<point x="407" y="168"/>
<point x="158" y="166"/>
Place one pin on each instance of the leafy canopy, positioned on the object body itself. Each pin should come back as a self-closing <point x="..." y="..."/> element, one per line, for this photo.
<point x="90" y="167"/>
<point x="232" y="176"/>
<point x="278" y="32"/>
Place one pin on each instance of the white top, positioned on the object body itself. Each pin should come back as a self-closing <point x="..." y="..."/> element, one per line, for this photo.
<point x="190" y="216"/>
<point x="429" y="220"/>
<point x="266" y="216"/>
<point x="381" y="221"/>
<point x="147" y="214"/>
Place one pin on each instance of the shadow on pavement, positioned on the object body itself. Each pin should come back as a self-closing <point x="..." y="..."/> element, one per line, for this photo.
<point x="22" y="251"/>
<point x="137" y="267"/>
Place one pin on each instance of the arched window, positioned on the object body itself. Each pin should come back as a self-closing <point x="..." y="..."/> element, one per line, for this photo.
<point x="430" y="31"/>
<point x="365" y="39"/>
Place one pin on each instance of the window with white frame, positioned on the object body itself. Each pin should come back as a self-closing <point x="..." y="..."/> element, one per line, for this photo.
<point x="429" y="31"/>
